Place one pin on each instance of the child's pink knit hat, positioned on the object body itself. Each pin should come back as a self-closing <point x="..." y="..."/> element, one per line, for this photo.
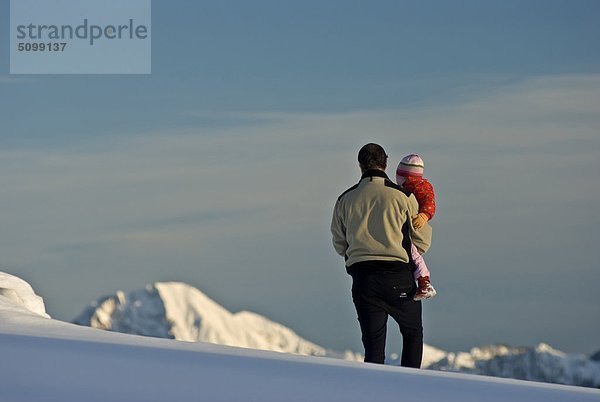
<point x="410" y="165"/>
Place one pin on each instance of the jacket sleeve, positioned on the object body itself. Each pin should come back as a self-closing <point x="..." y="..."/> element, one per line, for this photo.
<point x="420" y="238"/>
<point x="338" y="230"/>
<point x="426" y="198"/>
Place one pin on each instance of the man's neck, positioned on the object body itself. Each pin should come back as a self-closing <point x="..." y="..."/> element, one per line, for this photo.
<point x="373" y="173"/>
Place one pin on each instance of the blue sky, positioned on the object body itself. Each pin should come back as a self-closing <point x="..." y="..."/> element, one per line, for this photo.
<point x="221" y="168"/>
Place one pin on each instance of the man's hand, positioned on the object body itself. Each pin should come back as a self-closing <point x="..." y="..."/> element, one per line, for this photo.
<point x="420" y="220"/>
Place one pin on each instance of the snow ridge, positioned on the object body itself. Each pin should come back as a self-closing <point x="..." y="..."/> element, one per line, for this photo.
<point x="22" y="294"/>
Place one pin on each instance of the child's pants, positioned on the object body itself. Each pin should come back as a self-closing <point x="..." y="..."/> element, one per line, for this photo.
<point x="420" y="266"/>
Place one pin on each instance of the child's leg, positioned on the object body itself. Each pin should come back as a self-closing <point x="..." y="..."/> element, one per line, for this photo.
<point x="425" y="290"/>
<point x="420" y="266"/>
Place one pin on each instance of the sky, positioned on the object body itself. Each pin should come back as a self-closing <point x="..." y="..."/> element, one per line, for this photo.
<point x="222" y="166"/>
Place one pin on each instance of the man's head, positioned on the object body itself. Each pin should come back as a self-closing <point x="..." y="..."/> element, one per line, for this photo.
<point x="372" y="156"/>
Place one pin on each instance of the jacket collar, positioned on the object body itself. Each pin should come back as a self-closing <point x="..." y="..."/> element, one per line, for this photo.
<point x="374" y="173"/>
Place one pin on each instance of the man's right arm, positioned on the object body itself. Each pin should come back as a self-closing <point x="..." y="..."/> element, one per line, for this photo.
<point x="338" y="231"/>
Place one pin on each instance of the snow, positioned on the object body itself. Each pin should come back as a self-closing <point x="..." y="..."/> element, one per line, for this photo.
<point x="22" y="294"/>
<point x="179" y="311"/>
<point x="195" y="317"/>
<point x="50" y="360"/>
<point x="539" y="363"/>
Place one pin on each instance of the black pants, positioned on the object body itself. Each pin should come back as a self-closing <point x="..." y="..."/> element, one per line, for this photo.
<point x="380" y="289"/>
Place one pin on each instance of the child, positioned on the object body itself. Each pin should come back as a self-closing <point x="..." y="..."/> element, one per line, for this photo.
<point x="409" y="175"/>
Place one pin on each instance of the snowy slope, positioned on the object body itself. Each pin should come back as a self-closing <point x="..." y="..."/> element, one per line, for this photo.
<point x="49" y="360"/>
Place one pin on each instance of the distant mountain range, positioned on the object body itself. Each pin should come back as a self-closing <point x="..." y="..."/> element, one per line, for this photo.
<point x="540" y="363"/>
<point x="179" y="311"/>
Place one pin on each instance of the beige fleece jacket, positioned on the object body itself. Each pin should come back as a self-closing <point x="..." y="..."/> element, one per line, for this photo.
<point x="372" y="221"/>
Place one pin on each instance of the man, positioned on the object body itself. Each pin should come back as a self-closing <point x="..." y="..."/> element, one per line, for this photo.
<point x="372" y="228"/>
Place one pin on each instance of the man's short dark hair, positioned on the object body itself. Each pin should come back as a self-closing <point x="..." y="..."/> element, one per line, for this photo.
<point x="372" y="156"/>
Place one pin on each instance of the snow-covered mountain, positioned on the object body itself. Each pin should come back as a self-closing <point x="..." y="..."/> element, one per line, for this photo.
<point x="540" y="363"/>
<point x="179" y="311"/>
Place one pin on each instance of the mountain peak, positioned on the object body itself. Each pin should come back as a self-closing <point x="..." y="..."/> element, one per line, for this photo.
<point x="180" y="311"/>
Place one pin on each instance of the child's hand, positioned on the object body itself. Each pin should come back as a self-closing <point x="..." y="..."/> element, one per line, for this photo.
<point x="420" y="220"/>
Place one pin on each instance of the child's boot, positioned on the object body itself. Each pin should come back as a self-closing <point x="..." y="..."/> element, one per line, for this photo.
<point x="425" y="290"/>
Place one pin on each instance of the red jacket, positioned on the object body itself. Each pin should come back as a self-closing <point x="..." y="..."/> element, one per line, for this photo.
<point x="423" y="191"/>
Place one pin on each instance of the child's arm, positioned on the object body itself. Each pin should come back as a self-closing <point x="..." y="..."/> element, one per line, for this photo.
<point x="420" y="220"/>
<point x="420" y="238"/>
<point x="426" y="197"/>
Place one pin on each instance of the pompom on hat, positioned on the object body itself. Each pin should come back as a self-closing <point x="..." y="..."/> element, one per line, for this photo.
<point x="411" y="165"/>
